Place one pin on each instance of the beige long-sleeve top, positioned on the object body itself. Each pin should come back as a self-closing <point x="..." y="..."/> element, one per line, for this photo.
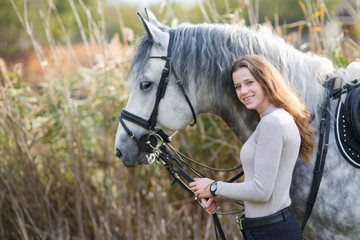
<point x="268" y="159"/>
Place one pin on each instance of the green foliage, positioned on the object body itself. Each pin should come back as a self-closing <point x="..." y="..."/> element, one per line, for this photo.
<point x="9" y="26"/>
<point x="338" y="60"/>
<point x="42" y="17"/>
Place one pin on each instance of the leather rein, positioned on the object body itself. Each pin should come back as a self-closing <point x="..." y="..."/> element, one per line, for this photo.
<point x="172" y="160"/>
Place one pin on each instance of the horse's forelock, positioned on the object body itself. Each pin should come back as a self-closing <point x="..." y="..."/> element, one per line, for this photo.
<point x="143" y="53"/>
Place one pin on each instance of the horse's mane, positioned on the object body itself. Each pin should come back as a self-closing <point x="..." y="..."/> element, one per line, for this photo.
<point x="208" y="51"/>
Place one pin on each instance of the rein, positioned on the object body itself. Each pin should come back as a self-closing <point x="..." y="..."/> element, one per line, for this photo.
<point x="174" y="165"/>
<point x="324" y="131"/>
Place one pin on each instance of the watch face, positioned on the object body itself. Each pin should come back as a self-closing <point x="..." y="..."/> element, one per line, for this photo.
<point x="213" y="188"/>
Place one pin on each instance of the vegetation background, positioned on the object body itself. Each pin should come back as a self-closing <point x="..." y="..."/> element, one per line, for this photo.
<point x="63" y="77"/>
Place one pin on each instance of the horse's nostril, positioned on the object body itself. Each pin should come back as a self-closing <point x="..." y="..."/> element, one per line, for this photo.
<point x="118" y="153"/>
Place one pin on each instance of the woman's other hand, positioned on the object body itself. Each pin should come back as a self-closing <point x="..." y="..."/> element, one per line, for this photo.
<point x="211" y="204"/>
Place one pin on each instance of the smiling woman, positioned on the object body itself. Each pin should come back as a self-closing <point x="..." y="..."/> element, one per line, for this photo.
<point x="277" y="91"/>
<point x="268" y="156"/>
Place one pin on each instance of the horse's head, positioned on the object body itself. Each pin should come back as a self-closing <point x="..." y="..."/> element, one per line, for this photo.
<point x="156" y="107"/>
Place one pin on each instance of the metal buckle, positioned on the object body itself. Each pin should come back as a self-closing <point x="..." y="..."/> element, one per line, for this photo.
<point x="198" y="201"/>
<point x="240" y="222"/>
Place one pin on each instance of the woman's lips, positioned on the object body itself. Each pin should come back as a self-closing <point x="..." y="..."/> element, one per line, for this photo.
<point x="248" y="98"/>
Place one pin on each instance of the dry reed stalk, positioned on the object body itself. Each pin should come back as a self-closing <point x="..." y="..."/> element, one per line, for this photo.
<point x="5" y="79"/>
<point x="227" y="6"/>
<point x="203" y="11"/>
<point x="213" y="11"/>
<point x="64" y="33"/>
<point x="251" y="13"/>
<point x="82" y="32"/>
<point x="121" y="24"/>
<point x="50" y="38"/>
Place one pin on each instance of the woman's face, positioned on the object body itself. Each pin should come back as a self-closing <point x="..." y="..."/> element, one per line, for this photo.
<point x="249" y="91"/>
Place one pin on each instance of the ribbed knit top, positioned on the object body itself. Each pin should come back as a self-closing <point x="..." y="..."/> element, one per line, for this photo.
<point x="268" y="158"/>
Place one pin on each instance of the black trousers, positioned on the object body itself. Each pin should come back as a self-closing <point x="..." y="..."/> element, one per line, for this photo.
<point x="287" y="229"/>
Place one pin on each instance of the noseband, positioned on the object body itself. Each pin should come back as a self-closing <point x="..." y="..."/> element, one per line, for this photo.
<point x="148" y="142"/>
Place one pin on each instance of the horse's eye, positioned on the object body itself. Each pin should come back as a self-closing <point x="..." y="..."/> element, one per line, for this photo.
<point x="145" y="85"/>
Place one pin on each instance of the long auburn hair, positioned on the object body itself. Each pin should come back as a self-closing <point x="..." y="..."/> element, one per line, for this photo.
<point x="282" y="96"/>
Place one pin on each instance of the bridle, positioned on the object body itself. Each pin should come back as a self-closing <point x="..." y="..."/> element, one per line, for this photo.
<point x="148" y="142"/>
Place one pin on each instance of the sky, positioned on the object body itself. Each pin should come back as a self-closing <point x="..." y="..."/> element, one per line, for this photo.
<point x="146" y="3"/>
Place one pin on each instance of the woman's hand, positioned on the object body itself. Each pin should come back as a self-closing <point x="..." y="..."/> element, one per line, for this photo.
<point x="211" y="204"/>
<point x="201" y="187"/>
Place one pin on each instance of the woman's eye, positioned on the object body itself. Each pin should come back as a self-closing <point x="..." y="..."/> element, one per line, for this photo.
<point x="145" y="85"/>
<point x="249" y="82"/>
<point x="237" y="87"/>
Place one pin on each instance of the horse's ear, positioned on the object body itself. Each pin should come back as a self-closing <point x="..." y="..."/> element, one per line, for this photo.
<point x="154" y="32"/>
<point x="151" y="18"/>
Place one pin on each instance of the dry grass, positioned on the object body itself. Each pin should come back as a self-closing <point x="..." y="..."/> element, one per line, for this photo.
<point x="59" y="178"/>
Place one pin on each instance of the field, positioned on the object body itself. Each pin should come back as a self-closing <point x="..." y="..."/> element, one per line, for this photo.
<point x="59" y="177"/>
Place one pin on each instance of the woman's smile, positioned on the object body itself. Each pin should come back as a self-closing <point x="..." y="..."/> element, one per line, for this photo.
<point x="248" y="99"/>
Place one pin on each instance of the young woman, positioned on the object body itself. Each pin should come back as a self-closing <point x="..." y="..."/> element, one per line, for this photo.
<point x="268" y="156"/>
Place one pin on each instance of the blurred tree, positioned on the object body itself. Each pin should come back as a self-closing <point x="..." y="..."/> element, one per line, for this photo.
<point x="42" y="16"/>
<point x="51" y="14"/>
<point x="10" y="36"/>
<point x="122" y="16"/>
<point x="287" y="11"/>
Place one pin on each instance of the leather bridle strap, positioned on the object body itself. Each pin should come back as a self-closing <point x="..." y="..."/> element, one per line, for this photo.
<point x="181" y="86"/>
<point x="142" y="123"/>
<point x="128" y="131"/>
<point x="324" y="131"/>
<point x="160" y="93"/>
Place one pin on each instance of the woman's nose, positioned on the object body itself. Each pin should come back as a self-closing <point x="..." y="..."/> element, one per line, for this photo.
<point x="243" y="90"/>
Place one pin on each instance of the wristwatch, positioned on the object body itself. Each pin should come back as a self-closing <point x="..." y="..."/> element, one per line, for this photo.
<point x="213" y="188"/>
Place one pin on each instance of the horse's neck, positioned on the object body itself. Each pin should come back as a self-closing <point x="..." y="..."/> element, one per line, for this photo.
<point x="239" y="119"/>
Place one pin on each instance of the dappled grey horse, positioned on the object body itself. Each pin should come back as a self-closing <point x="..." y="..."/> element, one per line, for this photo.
<point x="201" y="57"/>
